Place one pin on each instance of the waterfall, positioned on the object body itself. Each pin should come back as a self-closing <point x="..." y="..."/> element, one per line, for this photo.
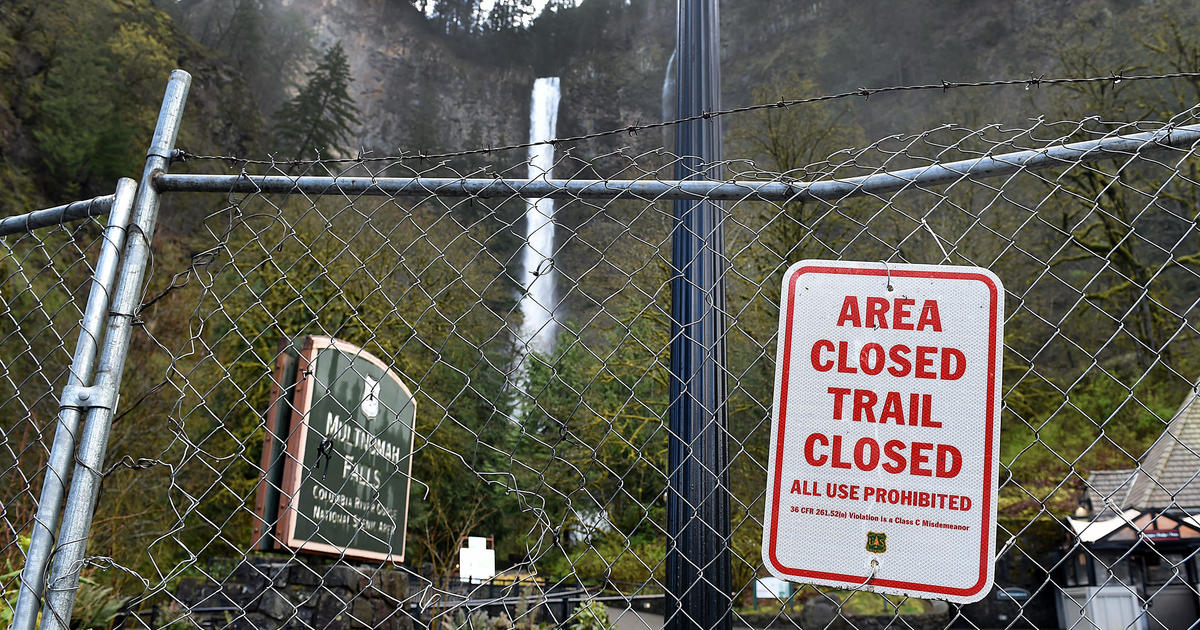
<point x="538" y="328"/>
<point x="669" y="90"/>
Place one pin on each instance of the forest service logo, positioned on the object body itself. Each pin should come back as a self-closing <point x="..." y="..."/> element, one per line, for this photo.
<point x="876" y="542"/>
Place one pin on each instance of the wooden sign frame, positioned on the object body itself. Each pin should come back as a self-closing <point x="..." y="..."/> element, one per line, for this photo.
<point x="300" y="437"/>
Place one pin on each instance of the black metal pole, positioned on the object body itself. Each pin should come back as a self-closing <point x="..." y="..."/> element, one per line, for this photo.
<point x="698" y="560"/>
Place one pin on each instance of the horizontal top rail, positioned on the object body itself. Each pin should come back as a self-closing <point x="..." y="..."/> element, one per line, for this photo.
<point x="1168" y="137"/>
<point x="57" y="215"/>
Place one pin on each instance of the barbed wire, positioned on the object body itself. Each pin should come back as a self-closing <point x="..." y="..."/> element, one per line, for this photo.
<point x="1035" y="81"/>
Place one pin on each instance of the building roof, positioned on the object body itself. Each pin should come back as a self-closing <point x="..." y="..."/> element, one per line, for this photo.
<point x="1092" y="530"/>
<point x="1168" y="474"/>
<point x="1109" y="489"/>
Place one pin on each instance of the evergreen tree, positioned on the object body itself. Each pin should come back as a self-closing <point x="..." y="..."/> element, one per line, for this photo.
<point x="321" y="116"/>
<point x="456" y="16"/>
<point x="507" y="15"/>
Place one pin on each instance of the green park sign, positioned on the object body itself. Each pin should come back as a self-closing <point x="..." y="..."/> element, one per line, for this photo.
<point x="338" y="456"/>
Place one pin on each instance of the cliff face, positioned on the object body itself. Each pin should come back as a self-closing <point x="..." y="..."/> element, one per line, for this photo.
<point x="422" y="90"/>
<point x="415" y="93"/>
<point x="419" y="90"/>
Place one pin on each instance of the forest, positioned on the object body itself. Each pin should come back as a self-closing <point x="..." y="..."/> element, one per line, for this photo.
<point x="566" y="466"/>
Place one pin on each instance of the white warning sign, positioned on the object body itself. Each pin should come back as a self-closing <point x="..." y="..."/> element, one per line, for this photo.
<point x="884" y="447"/>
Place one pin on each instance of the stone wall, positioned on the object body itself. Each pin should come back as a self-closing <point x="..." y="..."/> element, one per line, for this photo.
<point x="269" y="594"/>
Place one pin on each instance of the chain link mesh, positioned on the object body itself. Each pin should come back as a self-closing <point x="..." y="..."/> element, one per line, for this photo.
<point x="46" y="275"/>
<point x="541" y="384"/>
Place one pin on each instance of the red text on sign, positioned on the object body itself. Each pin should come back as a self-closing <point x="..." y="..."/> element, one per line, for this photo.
<point x="921" y="459"/>
<point x="930" y="362"/>
<point x="865" y="403"/>
<point x="874" y="314"/>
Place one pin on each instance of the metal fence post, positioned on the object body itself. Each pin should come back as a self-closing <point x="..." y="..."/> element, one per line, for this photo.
<point x="101" y="398"/>
<point x="58" y="468"/>
<point x="698" y="558"/>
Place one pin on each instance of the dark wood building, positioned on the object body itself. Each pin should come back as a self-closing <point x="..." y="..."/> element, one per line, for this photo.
<point x="1131" y="562"/>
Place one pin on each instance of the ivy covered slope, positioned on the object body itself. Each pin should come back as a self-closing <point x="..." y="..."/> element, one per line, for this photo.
<point x="80" y="85"/>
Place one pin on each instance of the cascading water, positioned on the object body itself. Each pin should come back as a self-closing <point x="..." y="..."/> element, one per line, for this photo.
<point x="669" y="90"/>
<point x="539" y="328"/>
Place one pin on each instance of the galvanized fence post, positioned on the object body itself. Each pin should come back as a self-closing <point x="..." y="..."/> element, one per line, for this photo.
<point x="66" y="213"/>
<point x="58" y="468"/>
<point x="698" y="557"/>
<point x="100" y="399"/>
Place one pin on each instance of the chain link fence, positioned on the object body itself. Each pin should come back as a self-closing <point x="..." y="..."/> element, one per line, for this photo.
<point x="528" y="320"/>
<point x="50" y="261"/>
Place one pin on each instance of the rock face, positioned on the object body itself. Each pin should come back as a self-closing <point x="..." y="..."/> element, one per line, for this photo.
<point x="413" y="91"/>
<point x="421" y="91"/>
